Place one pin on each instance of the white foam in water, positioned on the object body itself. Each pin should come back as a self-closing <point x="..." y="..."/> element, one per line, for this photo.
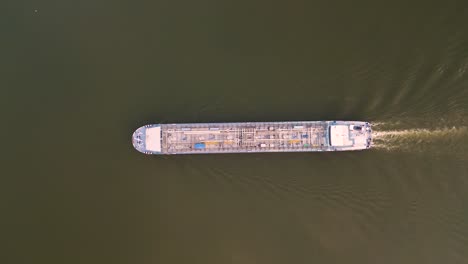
<point x="438" y="140"/>
<point x="419" y="132"/>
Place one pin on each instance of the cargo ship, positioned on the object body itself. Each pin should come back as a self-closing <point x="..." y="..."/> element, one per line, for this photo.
<point x="248" y="137"/>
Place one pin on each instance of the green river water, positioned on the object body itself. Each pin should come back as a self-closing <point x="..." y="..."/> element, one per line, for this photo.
<point x="78" y="77"/>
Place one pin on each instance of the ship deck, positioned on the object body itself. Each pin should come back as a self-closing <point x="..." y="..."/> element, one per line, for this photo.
<point x="244" y="137"/>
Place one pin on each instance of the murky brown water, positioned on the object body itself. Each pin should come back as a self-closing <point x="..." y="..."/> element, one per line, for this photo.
<point x="80" y="76"/>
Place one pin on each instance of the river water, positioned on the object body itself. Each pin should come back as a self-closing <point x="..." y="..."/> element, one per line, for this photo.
<point x="80" y="76"/>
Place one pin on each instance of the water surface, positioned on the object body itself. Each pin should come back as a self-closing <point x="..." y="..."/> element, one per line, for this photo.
<point x="80" y="76"/>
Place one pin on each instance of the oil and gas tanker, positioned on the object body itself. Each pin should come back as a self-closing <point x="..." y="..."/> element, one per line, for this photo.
<point x="248" y="137"/>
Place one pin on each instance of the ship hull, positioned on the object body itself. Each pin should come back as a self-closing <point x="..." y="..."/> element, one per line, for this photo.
<point x="253" y="137"/>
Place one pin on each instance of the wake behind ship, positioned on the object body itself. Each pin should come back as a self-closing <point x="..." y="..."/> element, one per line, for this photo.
<point x="204" y="138"/>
